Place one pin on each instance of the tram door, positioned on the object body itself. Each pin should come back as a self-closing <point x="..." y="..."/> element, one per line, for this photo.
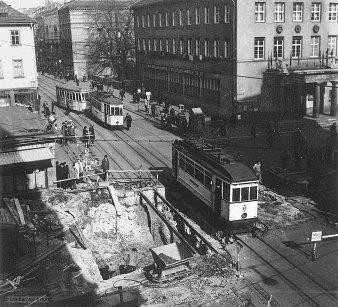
<point x="218" y="197"/>
<point x="106" y="112"/>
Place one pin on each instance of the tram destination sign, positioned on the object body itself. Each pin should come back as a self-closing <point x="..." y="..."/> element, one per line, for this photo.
<point x="316" y="236"/>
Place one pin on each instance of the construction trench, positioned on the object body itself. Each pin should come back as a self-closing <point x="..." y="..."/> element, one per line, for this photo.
<point x="87" y="234"/>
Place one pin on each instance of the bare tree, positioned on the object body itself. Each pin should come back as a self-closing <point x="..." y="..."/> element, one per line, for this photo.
<point x="111" y="37"/>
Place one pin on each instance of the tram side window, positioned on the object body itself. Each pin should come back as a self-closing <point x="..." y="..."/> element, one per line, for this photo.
<point x="245" y="194"/>
<point x="189" y="167"/>
<point x="68" y="95"/>
<point x="226" y="191"/>
<point x="62" y="93"/>
<point x="86" y="97"/>
<point x="208" y="180"/>
<point x="78" y="97"/>
<point x="73" y="96"/>
<point x="236" y="195"/>
<point x="199" y="174"/>
<point x="253" y="193"/>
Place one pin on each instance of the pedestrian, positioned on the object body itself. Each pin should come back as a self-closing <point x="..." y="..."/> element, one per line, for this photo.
<point x="153" y="110"/>
<point x="253" y="132"/>
<point x="58" y="169"/>
<point x="122" y="93"/>
<point x="131" y="262"/>
<point x="257" y="170"/>
<point x="146" y="105"/>
<point x="284" y="158"/>
<point x="85" y="135"/>
<point x="77" y="82"/>
<point x="64" y="132"/>
<point x="105" y="167"/>
<point x="91" y="135"/>
<point x="76" y="167"/>
<point x="67" y="108"/>
<point x="162" y="119"/>
<point x="128" y="121"/>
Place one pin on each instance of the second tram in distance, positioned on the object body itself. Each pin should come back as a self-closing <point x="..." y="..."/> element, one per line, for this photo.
<point x="228" y="187"/>
<point x="107" y="109"/>
<point x="74" y="97"/>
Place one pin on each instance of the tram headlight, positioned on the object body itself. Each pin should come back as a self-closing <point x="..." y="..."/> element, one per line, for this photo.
<point x="244" y="215"/>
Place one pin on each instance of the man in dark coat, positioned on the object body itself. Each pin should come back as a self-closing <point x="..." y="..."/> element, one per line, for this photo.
<point x="58" y="169"/>
<point x="105" y="167"/>
<point x="128" y="120"/>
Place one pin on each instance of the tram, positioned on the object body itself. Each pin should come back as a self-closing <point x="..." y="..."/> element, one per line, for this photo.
<point x="227" y="186"/>
<point x="107" y="109"/>
<point x="73" y="96"/>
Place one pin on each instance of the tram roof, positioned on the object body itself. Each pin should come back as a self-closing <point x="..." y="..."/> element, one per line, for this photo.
<point x="226" y="168"/>
<point x="71" y="86"/>
<point x="107" y="98"/>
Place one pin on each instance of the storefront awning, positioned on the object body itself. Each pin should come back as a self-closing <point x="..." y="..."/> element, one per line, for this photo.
<point x="24" y="156"/>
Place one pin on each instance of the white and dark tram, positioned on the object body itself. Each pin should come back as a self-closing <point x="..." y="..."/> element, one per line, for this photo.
<point x="227" y="186"/>
<point x="74" y="97"/>
<point x="107" y="109"/>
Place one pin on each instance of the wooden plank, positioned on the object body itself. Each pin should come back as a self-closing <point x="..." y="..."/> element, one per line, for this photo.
<point x="78" y="235"/>
<point x="20" y="212"/>
<point x="14" y="213"/>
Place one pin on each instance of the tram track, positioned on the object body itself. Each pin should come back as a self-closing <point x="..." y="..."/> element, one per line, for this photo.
<point x="294" y="276"/>
<point x="147" y="156"/>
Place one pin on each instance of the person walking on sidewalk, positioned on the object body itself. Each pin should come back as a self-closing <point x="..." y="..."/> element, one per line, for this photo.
<point x="257" y="170"/>
<point x="105" y="167"/>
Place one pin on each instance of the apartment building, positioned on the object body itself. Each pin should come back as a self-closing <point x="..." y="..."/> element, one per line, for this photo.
<point x="240" y="57"/>
<point x="18" y="73"/>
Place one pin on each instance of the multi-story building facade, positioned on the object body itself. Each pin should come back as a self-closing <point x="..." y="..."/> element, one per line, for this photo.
<point x="18" y="73"/>
<point x="78" y="28"/>
<point x="243" y="56"/>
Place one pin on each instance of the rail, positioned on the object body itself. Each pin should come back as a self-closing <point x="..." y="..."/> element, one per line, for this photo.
<point x="184" y="231"/>
<point x="191" y="228"/>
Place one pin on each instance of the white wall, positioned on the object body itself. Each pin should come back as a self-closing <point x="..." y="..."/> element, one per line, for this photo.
<point x="25" y="51"/>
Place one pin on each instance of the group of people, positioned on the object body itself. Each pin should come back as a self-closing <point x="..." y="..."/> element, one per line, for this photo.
<point x="68" y="132"/>
<point x="88" y="135"/>
<point x="68" y="177"/>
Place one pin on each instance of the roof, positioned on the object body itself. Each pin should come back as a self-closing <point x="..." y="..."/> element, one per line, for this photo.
<point x="71" y="85"/>
<point x="25" y="156"/>
<point x="141" y="3"/>
<point x="12" y="16"/>
<point x="227" y="168"/>
<point x="75" y="4"/>
<point x="107" y="98"/>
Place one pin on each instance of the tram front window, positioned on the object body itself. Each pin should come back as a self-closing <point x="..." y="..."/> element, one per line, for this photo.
<point x="236" y="195"/>
<point x="245" y="194"/>
<point x="253" y="193"/>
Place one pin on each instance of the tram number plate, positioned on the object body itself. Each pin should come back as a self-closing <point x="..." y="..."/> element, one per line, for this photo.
<point x="316" y="236"/>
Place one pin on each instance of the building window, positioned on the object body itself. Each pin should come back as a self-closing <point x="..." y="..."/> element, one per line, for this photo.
<point x="167" y="46"/>
<point x="143" y="24"/>
<point x="15" y="38"/>
<point x="189" y="46"/>
<point x="155" y="44"/>
<point x="160" y="19"/>
<point x="181" y="46"/>
<point x="138" y="44"/>
<point x="197" y="47"/>
<point x="259" y="11"/>
<point x="161" y="46"/>
<point x="1" y="70"/>
<point x="278" y="47"/>
<point x="138" y="21"/>
<point x="181" y="17"/>
<point x="333" y="12"/>
<point x="174" y="46"/>
<point x="259" y="48"/>
<point x="279" y="12"/>
<point x="17" y="69"/>
<point x="148" y="21"/>
<point x="189" y="16"/>
<point x="315" y="11"/>
<point x="227" y="13"/>
<point x="216" y="48"/>
<point x="315" y="44"/>
<point x="206" y="47"/>
<point x="154" y="20"/>
<point x="297" y="14"/>
<point x="167" y="19"/>
<point x="296" y="47"/>
<point x="173" y="16"/>
<point x="216" y="14"/>
<point x="226" y="49"/>
<point x="206" y="15"/>
<point x="332" y="45"/>
<point x="197" y="16"/>
<point x="143" y="44"/>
